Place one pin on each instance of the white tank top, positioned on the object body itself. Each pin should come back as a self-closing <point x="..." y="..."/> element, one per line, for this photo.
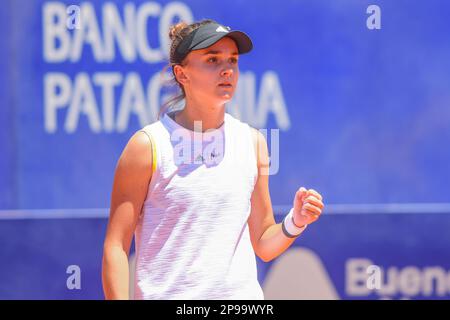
<point x="192" y="239"/>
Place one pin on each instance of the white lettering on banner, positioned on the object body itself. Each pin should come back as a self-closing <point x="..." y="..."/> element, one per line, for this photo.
<point x="156" y="95"/>
<point x="106" y="100"/>
<point x="357" y="277"/>
<point x="124" y="33"/>
<point x="79" y="99"/>
<point x="89" y="33"/>
<point x="83" y="101"/>
<point x="107" y="82"/>
<point x="62" y="44"/>
<point x="173" y="9"/>
<point x="147" y="10"/>
<point x="55" y="31"/>
<point x="132" y="100"/>
<point x="409" y="281"/>
<point x="270" y="100"/>
<point x="57" y="93"/>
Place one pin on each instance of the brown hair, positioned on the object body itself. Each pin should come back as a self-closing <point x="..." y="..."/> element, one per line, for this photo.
<point x="177" y="34"/>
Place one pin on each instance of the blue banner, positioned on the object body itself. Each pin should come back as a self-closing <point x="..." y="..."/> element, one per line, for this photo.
<point x="344" y="256"/>
<point x="359" y="91"/>
<point x="362" y="112"/>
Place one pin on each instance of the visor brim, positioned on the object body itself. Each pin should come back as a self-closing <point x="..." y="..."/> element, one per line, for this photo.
<point x="243" y="41"/>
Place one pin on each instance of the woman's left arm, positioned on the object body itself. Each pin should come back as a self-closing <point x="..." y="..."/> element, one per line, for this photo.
<point x="267" y="237"/>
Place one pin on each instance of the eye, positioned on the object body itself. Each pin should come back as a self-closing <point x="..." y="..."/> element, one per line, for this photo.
<point x="212" y="59"/>
<point x="233" y="60"/>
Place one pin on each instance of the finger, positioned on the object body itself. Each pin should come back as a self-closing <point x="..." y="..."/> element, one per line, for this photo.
<point x="302" y="191"/>
<point x="311" y="208"/>
<point x="314" y="201"/>
<point x="310" y="215"/>
<point x="315" y="193"/>
<point x="301" y="194"/>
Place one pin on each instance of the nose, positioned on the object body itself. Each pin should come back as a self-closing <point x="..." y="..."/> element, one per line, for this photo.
<point x="227" y="72"/>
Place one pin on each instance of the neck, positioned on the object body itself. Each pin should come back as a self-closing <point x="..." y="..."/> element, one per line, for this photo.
<point x="211" y="116"/>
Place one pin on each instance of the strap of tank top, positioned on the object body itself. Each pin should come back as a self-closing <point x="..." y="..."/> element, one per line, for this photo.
<point x="154" y="157"/>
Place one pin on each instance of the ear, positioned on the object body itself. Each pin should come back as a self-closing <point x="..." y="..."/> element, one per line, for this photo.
<point x="180" y="74"/>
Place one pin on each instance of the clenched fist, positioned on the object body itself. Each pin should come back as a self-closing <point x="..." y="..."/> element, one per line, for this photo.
<point x="308" y="206"/>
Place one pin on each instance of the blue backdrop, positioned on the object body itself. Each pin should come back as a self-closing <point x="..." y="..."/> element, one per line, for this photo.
<point x="363" y="114"/>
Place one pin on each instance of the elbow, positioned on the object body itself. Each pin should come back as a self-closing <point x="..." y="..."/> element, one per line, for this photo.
<point x="114" y="247"/>
<point x="107" y="251"/>
<point x="264" y="252"/>
<point x="265" y="256"/>
<point x="112" y="253"/>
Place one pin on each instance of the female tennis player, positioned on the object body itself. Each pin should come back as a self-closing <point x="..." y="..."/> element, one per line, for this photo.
<point x="193" y="187"/>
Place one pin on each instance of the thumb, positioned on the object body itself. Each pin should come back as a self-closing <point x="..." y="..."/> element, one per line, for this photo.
<point x="298" y="203"/>
<point x="303" y="193"/>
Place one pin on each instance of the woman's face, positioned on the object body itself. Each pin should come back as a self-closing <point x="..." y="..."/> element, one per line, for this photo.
<point x="212" y="74"/>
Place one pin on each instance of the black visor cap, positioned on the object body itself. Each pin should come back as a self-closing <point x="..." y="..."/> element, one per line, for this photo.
<point x="207" y="35"/>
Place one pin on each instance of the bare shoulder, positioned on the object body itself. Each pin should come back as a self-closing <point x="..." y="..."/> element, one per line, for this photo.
<point x="137" y="154"/>
<point x="131" y="179"/>
<point x="260" y="145"/>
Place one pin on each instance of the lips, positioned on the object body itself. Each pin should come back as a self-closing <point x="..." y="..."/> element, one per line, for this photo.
<point x="225" y="85"/>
